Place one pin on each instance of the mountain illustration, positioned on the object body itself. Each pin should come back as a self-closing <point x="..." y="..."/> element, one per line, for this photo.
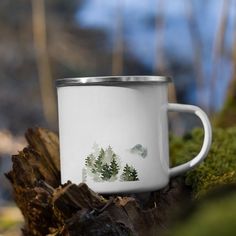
<point x="139" y="150"/>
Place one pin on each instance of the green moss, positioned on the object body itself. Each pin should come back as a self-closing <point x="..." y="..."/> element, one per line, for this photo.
<point x="6" y="224"/>
<point x="212" y="217"/>
<point x="219" y="167"/>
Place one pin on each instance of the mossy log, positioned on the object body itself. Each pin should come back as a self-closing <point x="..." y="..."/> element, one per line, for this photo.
<point x="50" y="208"/>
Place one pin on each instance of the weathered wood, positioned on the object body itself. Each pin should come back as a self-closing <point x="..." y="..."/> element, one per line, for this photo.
<point x="53" y="209"/>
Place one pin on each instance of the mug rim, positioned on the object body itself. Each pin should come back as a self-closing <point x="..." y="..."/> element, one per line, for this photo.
<point x="111" y="80"/>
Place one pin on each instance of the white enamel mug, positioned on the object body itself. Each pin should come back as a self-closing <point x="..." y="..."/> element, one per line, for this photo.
<point x="114" y="133"/>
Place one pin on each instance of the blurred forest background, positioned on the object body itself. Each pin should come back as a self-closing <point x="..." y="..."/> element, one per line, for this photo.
<point x="194" y="41"/>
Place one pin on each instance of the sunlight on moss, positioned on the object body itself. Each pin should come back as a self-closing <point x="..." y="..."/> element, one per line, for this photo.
<point x="7" y="223"/>
<point x="218" y="168"/>
<point x="10" y="219"/>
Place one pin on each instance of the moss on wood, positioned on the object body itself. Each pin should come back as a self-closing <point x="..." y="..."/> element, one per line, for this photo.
<point x="219" y="168"/>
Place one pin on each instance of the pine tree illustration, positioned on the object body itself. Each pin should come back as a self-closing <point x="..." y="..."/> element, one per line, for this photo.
<point x="98" y="162"/>
<point x="125" y="173"/>
<point x="114" y="167"/>
<point x="134" y="175"/>
<point x="106" y="172"/>
<point x="103" y="165"/>
<point x="109" y="151"/>
<point x="89" y="160"/>
<point x="129" y="174"/>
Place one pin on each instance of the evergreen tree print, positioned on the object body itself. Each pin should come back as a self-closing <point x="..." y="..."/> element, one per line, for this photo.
<point x="106" y="172"/>
<point x="129" y="174"/>
<point x="134" y="175"/>
<point x="114" y="168"/>
<point x="89" y="160"/>
<point x="104" y="165"/>
<point x="99" y="161"/>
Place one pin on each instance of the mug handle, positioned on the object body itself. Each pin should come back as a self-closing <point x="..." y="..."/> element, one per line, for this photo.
<point x="206" y="142"/>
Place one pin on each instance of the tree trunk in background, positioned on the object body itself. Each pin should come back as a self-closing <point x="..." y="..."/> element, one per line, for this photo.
<point x="197" y="45"/>
<point x="44" y="71"/>
<point x="117" y="55"/>
<point x="53" y="209"/>
<point x="218" y="49"/>
<point x="227" y="116"/>
<point x="160" y="66"/>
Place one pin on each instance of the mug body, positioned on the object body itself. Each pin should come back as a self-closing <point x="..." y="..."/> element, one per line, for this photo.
<point x="114" y="133"/>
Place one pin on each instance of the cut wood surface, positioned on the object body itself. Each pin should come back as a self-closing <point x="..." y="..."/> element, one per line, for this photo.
<point x="50" y="208"/>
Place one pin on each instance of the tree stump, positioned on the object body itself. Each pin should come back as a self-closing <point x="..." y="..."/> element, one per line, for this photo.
<point x="50" y="208"/>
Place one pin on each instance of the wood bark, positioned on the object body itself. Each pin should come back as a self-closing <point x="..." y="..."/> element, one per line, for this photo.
<point x="50" y="208"/>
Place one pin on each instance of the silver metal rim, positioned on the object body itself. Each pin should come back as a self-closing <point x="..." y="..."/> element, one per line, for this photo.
<point x="111" y="80"/>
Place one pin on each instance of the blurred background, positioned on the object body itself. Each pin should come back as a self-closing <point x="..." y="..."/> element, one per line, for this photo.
<point x="194" y="41"/>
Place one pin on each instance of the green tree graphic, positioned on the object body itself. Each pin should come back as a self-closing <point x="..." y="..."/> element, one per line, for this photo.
<point x="89" y="160"/>
<point x="114" y="167"/>
<point x="104" y="166"/>
<point x="134" y="175"/>
<point x="129" y="174"/>
<point x="99" y="161"/>
<point x="106" y="172"/>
